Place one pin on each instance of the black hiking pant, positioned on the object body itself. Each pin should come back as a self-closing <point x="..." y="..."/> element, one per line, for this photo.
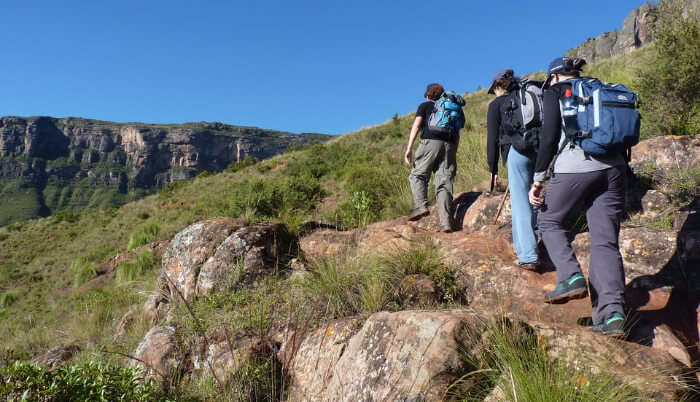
<point x="603" y="193"/>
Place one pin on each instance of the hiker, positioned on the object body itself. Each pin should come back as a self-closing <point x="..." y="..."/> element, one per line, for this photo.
<point x="510" y="133"/>
<point x="439" y="119"/>
<point x="580" y="176"/>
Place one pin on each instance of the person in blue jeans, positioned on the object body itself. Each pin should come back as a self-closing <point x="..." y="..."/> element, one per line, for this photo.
<point x="520" y="161"/>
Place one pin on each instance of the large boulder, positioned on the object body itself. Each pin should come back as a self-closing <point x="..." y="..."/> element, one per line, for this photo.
<point x="223" y="253"/>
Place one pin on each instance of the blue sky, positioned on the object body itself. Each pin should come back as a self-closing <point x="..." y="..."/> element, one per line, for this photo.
<point x="300" y="66"/>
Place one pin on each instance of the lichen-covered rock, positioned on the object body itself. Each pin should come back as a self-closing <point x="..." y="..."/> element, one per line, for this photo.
<point x="668" y="152"/>
<point x="418" y="355"/>
<point x="311" y="358"/>
<point x="161" y="354"/>
<point x="394" y="356"/>
<point x="222" y="252"/>
<point x="57" y="356"/>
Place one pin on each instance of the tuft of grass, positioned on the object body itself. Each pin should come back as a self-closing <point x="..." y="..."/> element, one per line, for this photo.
<point x="511" y="358"/>
<point x="144" y="236"/>
<point x="83" y="269"/>
<point x="134" y="269"/>
<point x="8" y="298"/>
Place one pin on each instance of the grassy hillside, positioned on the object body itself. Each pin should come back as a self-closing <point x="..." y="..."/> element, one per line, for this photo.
<point x="350" y="181"/>
<point x="353" y="180"/>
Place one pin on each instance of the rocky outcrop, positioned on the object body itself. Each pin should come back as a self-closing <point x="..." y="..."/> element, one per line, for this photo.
<point x="636" y="32"/>
<point x="51" y="156"/>
<point x="217" y="254"/>
<point x="419" y="355"/>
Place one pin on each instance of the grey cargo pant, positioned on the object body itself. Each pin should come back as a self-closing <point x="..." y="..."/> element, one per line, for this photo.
<point x="603" y="192"/>
<point x="439" y="157"/>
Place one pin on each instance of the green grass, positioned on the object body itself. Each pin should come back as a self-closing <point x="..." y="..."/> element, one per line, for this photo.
<point x="510" y="357"/>
<point x="350" y="181"/>
<point x="132" y="270"/>
<point x="144" y="236"/>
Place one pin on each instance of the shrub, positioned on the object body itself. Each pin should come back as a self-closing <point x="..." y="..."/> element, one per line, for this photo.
<point x="234" y="167"/>
<point x="92" y="381"/>
<point x="134" y="269"/>
<point x="668" y="80"/>
<point x="143" y="236"/>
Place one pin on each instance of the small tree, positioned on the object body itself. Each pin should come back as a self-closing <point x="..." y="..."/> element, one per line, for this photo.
<point x="669" y="80"/>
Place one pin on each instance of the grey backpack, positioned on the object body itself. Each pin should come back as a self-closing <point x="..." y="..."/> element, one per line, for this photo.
<point x="521" y="118"/>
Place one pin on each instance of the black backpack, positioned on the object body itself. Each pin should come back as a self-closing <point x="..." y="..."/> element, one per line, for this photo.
<point x="521" y="117"/>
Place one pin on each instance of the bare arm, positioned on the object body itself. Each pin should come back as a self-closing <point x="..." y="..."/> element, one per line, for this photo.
<point x="408" y="156"/>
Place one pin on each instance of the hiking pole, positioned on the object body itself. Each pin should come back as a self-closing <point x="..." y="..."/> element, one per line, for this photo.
<point x="500" y="207"/>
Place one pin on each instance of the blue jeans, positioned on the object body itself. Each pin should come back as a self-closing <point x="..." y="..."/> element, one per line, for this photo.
<point x="521" y="168"/>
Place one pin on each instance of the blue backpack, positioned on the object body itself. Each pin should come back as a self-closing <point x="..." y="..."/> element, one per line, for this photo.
<point x="603" y="118"/>
<point x="447" y="116"/>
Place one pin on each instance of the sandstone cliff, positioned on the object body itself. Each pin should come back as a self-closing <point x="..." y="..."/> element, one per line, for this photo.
<point x="636" y="32"/>
<point x="47" y="164"/>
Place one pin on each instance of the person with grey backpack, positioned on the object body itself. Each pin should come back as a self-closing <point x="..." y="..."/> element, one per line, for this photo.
<point x="439" y="120"/>
<point x="587" y="131"/>
<point x="513" y="123"/>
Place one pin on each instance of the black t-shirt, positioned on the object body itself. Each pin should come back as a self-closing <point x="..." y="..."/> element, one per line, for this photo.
<point x="424" y="111"/>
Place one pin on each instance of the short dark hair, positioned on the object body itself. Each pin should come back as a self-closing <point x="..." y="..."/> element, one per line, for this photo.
<point x="433" y="91"/>
<point x="504" y="83"/>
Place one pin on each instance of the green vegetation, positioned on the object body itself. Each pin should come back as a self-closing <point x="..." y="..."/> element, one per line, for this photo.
<point x="349" y="182"/>
<point x="131" y="270"/>
<point x="668" y="77"/>
<point x="92" y="381"/>
<point x="144" y="236"/>
<point x="510" y="357"/>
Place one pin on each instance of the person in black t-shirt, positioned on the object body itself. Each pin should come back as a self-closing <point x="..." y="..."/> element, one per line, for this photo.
<point x="437" y="152"/>
<point x="521" y="166"/>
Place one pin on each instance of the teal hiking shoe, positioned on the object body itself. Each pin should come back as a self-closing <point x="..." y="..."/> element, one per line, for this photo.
<point x="572" y="288"/>
<point x="613" y="326"/>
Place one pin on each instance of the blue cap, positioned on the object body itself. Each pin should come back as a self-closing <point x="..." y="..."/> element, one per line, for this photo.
<point x="559" y="65"/>
<point x="501" y="74"/>
<point x="563" y="65"/>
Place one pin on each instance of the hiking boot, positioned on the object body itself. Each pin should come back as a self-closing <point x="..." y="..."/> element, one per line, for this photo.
<point x="613" y="326"/>
<point x="446" y="228"/>
<point x="417" y="213"/>
<point x="572" y="288"/>
<point x="528" y="266"/>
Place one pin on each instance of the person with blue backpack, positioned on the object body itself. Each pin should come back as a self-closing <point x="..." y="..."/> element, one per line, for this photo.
<point x="513" y="124"/>
<point x="588" y="128"/>
<point x="439" y="120"/>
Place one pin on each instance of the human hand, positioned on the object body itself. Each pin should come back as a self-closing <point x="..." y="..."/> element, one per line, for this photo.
<point x="535" y="194"/>
<point x="408" y="157"/>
